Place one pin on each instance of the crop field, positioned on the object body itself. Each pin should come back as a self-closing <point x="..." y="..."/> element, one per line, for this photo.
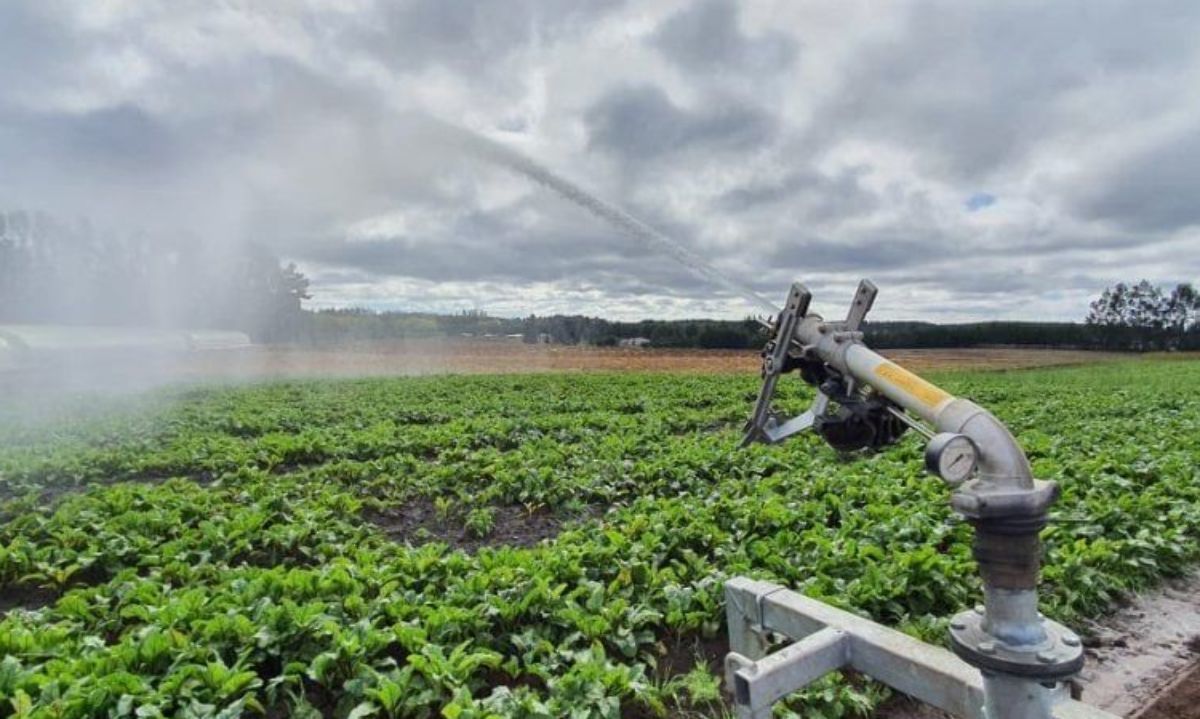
<point x="523" y="545"/>
<point x="422" y="357"/>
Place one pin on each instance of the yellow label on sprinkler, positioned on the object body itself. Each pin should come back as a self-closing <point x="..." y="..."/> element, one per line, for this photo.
<point x="928" y="394"/>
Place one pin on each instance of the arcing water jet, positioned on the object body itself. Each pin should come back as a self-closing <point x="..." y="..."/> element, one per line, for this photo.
<point x="506" y="157"/>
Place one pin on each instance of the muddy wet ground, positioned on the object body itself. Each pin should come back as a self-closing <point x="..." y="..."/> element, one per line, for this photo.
<point x="1138" y="658"/>
<point x="25" y="597"/>
<point x="1181" y="700"/>
<point x="1143" y="661"/>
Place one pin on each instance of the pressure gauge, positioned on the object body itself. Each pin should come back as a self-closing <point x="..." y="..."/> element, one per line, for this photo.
<point x="952" y="457"/>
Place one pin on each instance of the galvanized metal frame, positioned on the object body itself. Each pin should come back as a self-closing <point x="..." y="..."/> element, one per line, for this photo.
<point x="828" y="639"/>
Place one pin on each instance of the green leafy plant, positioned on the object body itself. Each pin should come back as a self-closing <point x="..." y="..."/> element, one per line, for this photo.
<point x="481" y="521"/>
<point x="290" y="548"/>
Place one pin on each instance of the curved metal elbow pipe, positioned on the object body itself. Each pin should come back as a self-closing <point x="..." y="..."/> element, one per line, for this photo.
<point x="1002" y="462"/>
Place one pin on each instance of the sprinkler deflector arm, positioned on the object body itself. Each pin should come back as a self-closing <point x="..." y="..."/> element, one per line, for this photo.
<point x="1018" y="651"/>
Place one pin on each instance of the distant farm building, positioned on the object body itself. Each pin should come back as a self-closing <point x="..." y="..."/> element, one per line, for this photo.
<point x="634" y="342"/>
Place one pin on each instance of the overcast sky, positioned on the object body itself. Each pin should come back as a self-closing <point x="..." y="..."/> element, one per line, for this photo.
<point x="976" y="161"/>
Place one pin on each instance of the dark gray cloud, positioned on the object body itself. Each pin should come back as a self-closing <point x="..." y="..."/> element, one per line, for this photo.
<point x="473" y="36"/>
<point x="561" y="243"/>
<point x="880" y="251"/>
<point x="640" y="122"/>
<point x="705" y="37"/>
<point x="1147" y="190"/>
<point x="819" y="196"/>
<point x="117" y="139"/>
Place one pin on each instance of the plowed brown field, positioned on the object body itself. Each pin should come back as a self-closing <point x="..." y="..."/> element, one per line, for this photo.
<point x="459" y="356"/>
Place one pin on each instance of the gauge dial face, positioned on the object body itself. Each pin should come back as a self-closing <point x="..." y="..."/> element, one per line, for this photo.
<point x="952" y="457"/>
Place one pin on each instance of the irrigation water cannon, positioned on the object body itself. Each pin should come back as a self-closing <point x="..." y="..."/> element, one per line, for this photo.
<point x="1009" y="662"/>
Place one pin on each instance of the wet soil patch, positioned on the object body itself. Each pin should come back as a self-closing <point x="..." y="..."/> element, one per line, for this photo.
<point x="25" y="597"/>
<point x="1180" y="700"/>
<point x="902" y="706"/>
<point x="713" y="427"/>
<point x="30" y="597"/>
<point x="685" y="651"/>
<point x="320" y="699"/>
<point x="681" y="654"/>
<point x="418" y="521"/>
<point x="1143" y="647"/>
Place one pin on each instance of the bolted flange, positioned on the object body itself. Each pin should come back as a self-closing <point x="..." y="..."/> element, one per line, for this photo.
<point x="1059" y="656"/>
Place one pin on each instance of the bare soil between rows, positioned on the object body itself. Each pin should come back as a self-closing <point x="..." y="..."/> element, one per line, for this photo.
<point x="1180" y="700"/>
<point x="27" y="597"/>
<point x="418" y="521"/>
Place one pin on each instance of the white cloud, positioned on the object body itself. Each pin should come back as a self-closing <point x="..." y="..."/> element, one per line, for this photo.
<point x="783" y="140"/>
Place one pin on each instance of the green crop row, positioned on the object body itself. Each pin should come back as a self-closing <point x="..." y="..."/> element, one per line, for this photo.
<point x="528" y="546"/>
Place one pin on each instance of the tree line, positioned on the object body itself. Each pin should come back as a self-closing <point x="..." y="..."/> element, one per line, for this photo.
<point x="1143" y="316"/>
<point x="339" y="326"/>
<point x="52" y="272"/>
<point x="1136" y="317"/>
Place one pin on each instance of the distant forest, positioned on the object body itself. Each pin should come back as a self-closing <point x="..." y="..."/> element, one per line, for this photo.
<point x="342" y="326"/>
<point x="57" y="273"/>
<point x="1137" y="317"/>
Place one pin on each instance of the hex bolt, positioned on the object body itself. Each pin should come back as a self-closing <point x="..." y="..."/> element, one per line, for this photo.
<point x="1070" y="640"/>
<point x="987" y="647"/>
<point x="1046" y="657"/>
<point x="979" y="609"/>
<point x="958" y="625"/>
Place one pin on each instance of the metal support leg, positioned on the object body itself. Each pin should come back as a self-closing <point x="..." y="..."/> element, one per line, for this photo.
<point x="746" y="635"/>
<point x="758" y="685"/>
<point x="1009" y="697"/>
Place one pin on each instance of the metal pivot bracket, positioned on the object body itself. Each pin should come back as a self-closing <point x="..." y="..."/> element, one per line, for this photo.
<point x="765" y="425"/>
<point x="829" y="639"/>
<point x="864" y="299"/>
